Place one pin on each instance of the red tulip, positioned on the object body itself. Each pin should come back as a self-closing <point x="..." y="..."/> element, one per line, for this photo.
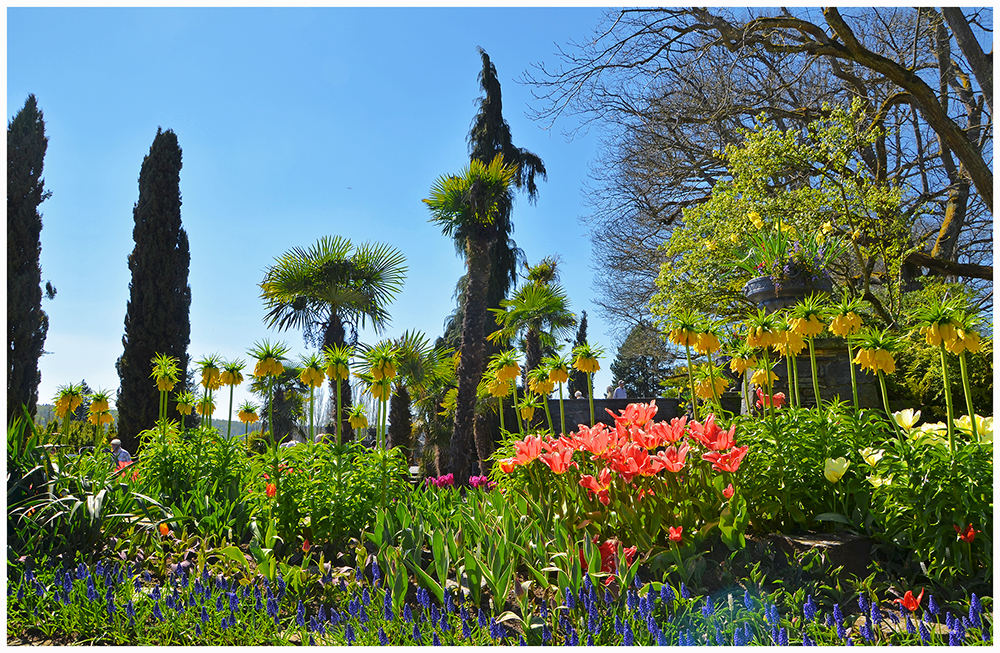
<point x="271" y="490"/>
<point x="669" y="433"/>
<point x="728" y="492"/>
<point x="909" y="602"/>
<point x="558" y="461"/>
<point x="968" y="534"/>
<point x="306" y="546"/>
<point x="762" y="400"/>
<point x="672" y="458"/>
<point x="710" y="435"/>
<point x="676" y="533"/>
<point x="726" y="462"/>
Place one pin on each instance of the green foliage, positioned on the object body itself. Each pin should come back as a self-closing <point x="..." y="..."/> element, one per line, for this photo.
<point x="325" y="493"/>
<point x="199" y="477"/>
<point x="790" y="184"/>
<point x="924" y="497"/>
<point x="27" y="323"/>
<point x="784" y="482"/>
<point x="156" y="319"/>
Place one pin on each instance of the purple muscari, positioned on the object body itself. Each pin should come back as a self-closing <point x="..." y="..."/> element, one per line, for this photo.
<point x="157" y="614"/>
<point x="423" y="598"/>
<point x="708" y="609"/>
<point x="850" y="642"/>
<point x="806" y="641"/>
<point x="366" y="598"/>
<point x="594" y="620"/>
<point x="975" y="609"/>
<point x="876" y="614"/>
<point x="607" y="596"/>
<point x="809" y="609"/>
<point x="382" y="639"/>
<point x="619" y="626"/>
<point x="747" y="634"/>
<point x="98" y="569"/>
<point x="661" y="639"/>
<point x="343" y="585"/>
<point x="570" y="599"/>
<point x="466" y="632"/>
<point x="349" y="634"/>
<point x="838" y="616"/>
<point x="92" y="591"/>
<point x="925" y="635"/>
<point x="772" y="614"/>
<point x="685" y="594"/>
<point x="841" y="631"/>
<point x="416" y="633"/>
<point x="387" y="614"/>
<point x="281" y="587"/>
<point x="590" y="640"/>
<point x="463" y="613"/>
<point x="204" y="615"/>
<point x="434" y="613"/>
<point x="666" y="593"/>
<point x="774" y="634"/>
<point x="631" y="600"/>
<point x="863" y="602"/>
<point x="574" y="638"/>
<point x="629" y="639"/>
<point x="435" y="640"/>
<point x="737" y="637"/>
<point x="646" y="604"/>
<point x="866" y="631"/>
<point x="300" y="614"/>
<point x="376" y="572"/>
<point x="747" y="600"/>
<point x="256" y="595"/>
<point x="829" y="621"/>
<point x="218" y="603"/>
<point x="362" y="615"/>
<point x="495" y="633"/>
<point x="783" y="637"/>
<point x="67" y="584"/>
<point x="909" y="625"/>
<point x="234" y="602"/>
<point x="637" y="582"/>
<point x="483" y="622"/>
<point x="407" y="613"/>
<point x="719" y="639"/>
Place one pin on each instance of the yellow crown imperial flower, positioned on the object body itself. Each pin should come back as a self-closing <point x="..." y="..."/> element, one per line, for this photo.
<point x="587" y="365"/>
<point x="806" y="327"/>
<point x="211" y="378"/>
<point x="499" y="388"/>
<point x="704" y="387"/>
<point x="338" y="371"/>
<point x="527" y="412"/>
<point x="541" y="386"/>
<point x="683" y="337"/>
<point x="247" y="416"/>
<point x="185" y="409"/>
<point x="98" y="405"/>
<point x="164" y="385"/>
<point x="558" y="375"/>
<point x="358" y="419"/>
<point x="100" y="418"/>
<point x="508" y="372"/>
<point x="707" y="343"/>
<point x="312" y="377"/>
<point x="206" y="407"/>
<point x="740" y="365"/>
<point x="845" y="325"/>
<point x="760" y="377"/>
<point x="758" y="337"/>
<point x="230" y="378"/>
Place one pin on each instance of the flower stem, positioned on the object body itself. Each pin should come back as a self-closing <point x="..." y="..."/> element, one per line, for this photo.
<point x="229" y="427"/>
<point x="795" y="374"/>
<point x="517" y="411"/>
<point x="548" y="414"/>
<point x="948" y="401"/>
<point x="885" y="400"/>
<point x="812" y="362"/>
<point x="968" y="396"/>
<point x="340" y="425"/>
<point x="791" y="377"/>
<point x="590" y="396"/>
<point x="854" y="378"/>
<point x="562" y="411"/>
<point x="500" y="402"/>
<point x="694" y="399"/>
<point x="312" y="391"/>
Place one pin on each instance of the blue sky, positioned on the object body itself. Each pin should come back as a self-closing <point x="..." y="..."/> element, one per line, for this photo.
<point x="294" y="124"/>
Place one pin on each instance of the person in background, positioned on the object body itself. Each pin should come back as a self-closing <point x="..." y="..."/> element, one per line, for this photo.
<point x="620" y="391"/>
<point x="119" y="456"/>
<point x="609" y="392"/>
<point x="578" y="395"/>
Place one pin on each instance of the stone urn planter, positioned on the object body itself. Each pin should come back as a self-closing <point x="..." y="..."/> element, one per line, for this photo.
<point x="771" y="296"/>
<point x="832" y="362"/>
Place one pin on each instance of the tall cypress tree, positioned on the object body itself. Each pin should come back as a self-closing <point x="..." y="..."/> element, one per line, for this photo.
<point x="27" y="323"/>
<point x="156" y="319"/>
<point x="578" y="379"/>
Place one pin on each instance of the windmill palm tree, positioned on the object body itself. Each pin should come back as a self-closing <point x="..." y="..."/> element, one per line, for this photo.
<point x="421" y="368"/>
<point x="466" y="207"/>
<point x="538" y="312"/>
<point x="330" y="287"/>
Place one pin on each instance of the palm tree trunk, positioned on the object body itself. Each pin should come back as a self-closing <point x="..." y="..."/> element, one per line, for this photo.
<point x="532" y="349"/>
<point x="335" y="334"/>
<point x="470" y="366"/>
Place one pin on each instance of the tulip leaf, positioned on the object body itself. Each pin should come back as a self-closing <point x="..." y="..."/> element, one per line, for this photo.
<point x="234" y="554"/>
<point x="834" y="517"/>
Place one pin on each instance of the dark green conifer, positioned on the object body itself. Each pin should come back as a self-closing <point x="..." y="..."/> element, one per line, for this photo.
<point x="156" y="319"/>
<point x="27" y="323"/>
